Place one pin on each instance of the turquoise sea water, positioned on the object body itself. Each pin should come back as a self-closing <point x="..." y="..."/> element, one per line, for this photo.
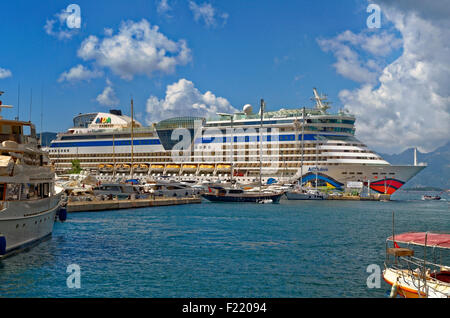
<point x="293" y="249"/>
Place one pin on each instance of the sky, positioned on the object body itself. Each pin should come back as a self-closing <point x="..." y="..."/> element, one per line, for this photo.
<point x="195" y="57"/>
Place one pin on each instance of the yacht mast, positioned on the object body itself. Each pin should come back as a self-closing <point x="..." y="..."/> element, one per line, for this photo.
<point x="114" y="156"/>
<point x="232" y="150"/>
<point x="303" y="145"/>
<point x="132" y="140"/>
<point x="317" y="161"/>
<point x="260" y="143"/>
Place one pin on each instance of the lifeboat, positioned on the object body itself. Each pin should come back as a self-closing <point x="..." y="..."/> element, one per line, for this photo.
<point x="223" y="167"/>
<point x="206" y="167"/>
<point x="105" y="168"/>
<point x="189" y="167"/>
<point x="141" y="168"/>
<point x="123" y="168"/>
<point x="157" y="167"/>
<point x="172" y="167"/>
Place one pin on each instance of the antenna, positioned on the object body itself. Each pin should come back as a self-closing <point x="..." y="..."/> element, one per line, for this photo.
<point x="322" y="106"/>
<point x="42" y="109"/>
<point x="132" y="139"/>
<point x="31" y="101"/>
<point x="263" y="106"/>
<point x="18" y="101"/>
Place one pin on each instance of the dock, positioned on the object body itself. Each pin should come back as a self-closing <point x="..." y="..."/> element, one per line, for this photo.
<point x="92" y="206"/>
<point x="373" y="197"/>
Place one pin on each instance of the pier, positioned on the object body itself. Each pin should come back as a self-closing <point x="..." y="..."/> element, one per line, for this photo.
<point x="372" y="197"/>
<point x="92" y="206"/>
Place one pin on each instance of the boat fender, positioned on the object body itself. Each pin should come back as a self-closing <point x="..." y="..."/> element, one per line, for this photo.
<point x="394" y="290"/>
<point x="62" y="214"/>
<point x="2" y="245"/>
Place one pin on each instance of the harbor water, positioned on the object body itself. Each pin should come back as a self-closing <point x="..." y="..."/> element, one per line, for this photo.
<point x="292" y="249"/>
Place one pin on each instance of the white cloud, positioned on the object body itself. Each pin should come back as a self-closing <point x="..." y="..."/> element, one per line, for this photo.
<point x="347" y="46"/>
<point x="184" y="99"/>
<point x="79" y="73"/>
<point x="4" y="73"/>
<point x="108" y="96"/>
<point x="409" y="105"/>
<point x="163" y="7"/>
<point x="138" y="48"/>
<point x="57" y="26"/>
<point x="208" y="14"/>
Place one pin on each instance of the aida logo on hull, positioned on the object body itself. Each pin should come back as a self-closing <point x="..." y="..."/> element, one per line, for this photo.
<point x="103" y="120"/>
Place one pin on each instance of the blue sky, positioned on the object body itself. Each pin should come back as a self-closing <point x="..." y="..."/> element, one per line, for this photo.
<point x="260" y="49"/>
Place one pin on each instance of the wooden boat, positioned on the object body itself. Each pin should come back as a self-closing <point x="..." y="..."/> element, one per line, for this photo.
<point x="411" y="276"/>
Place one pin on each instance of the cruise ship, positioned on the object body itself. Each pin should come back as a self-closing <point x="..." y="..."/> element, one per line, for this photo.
<point x="309" y="146"/>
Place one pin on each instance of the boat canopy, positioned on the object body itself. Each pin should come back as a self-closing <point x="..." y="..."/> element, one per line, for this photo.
<point x="418" y="238"/>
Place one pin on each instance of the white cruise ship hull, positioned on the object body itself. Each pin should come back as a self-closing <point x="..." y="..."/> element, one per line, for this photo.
<point x="384" y="179"/>
<point x="23" y="224"/>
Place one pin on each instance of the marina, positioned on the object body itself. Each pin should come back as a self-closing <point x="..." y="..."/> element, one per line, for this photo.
<point x="203" y="203"/>
<point x="91" y="206"/>
<point x="218" y="157"/>
<point x="293" y="249"/>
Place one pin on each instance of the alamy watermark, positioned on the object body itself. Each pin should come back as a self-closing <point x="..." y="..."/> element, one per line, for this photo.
<point x="74" y="279"/>
<point x="374" y="20"/>
<point x="73" y="20"/>
<point x="374" y="279"/>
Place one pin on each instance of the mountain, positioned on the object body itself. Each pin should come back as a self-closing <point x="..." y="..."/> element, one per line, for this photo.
<point x="47" y="137"/>
<point x="437" y="172"/>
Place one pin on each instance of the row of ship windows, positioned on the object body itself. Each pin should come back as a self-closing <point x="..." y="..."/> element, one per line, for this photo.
<point x="18" y="191"/>
<point x="223" y="159"/>
<point x="247" y="153"/>
<point x="254" y="149"/>
<point x="255" y="165"/>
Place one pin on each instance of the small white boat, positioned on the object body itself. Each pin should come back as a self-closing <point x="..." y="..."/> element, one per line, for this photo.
<point x="265" y="201"/>
<point x="301" y="194"/>
<point x="431" y="197"/>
